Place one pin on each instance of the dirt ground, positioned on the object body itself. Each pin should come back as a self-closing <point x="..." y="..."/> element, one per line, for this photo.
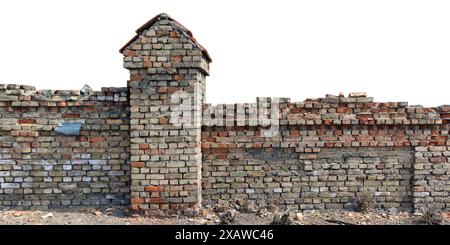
<point x="120" y="216"/>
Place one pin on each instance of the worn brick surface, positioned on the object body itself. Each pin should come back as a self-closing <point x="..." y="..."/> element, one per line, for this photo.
<point x="307" y="132"/>
<point x="157" y="146"/>
<point x="167" y="67"/>
<point x="42" y="169"/>
<point x="332" y="179"/>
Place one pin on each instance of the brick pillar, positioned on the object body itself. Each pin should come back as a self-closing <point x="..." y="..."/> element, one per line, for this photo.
<point x="431" y="177"/>
<point x="167" y="68"/>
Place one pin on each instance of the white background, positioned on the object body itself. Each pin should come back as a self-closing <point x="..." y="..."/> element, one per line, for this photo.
<point x="393" y="50"/>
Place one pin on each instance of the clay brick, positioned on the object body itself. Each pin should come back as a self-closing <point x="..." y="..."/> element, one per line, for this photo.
<point x="129" y="53"/>
<point x="97" y="139"/>
<point x="135" y="77"/>
<point x="364" y="116"/>
<point x="26" y="121"/>
<point x="137" y="200"/>
<point x="148" y="64"/>
<point x="171" y="90"/>
<point x="71" y="115"/>
<point x="178" y="58"/>
<point x="343" y="110"/>
<point x="174" y="34"/>
<point x="114" y="121"/>
<point x="157" y="200"/>
<point x="137" y="164"/>
<point x="328" y="122"/>
<point x="178" y="77"/>
<point x="222" y="157"/>
<point x="154" y="188"/>
<point x="163" y="120"/>
<point x="162" y="90"/>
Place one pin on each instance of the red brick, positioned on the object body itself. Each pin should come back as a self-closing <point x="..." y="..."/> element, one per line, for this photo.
<point x="148" y="64"/>
<point x="171" y="90"/>
<point x="163" y="120"/>
<point x="364" y="116"/>
<point x="144" y="146"/>
<point x="161" y="33"/>
<point x="26" y="121"/>
<point x="136" y="77"/>
<point x="438" y="159"/>
<point x="88" y="109"/>
<point x="154" y="188"/>
<point x="177" y="58"/>
<point x="328" y="122"/>
<point x="439" y="138"/>
<point x="162" y="90"/>
<point x="222" y="156"/>
<point x="134" y="207"/>
<point x="137" y="164"/>
<point x="174" y="34"/>
<point x="137" y="200"/>
<point x="23" y="133"/>
<point x="343" y="109"/>
<point x="155" y="200"/>
<point x="223" y="134"/>
<point x="129" y="53"/>
<point x="363" y="138"/>
<point x="97" y="139"/>
<point x="294" y="133"/>
<point x="295" y="110"/>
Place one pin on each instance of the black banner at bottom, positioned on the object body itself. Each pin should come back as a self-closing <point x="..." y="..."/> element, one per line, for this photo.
<point x="223" y="234"/>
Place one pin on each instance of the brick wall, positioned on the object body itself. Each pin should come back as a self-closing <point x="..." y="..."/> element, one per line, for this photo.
<point x="333" y="180"/>
<point x="158" y="147"/>
<point x="40" y="168"/>
<point x="327" y="152"/>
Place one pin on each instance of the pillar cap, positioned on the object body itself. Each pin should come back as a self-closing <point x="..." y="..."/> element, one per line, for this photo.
<point x="164" y="16"/>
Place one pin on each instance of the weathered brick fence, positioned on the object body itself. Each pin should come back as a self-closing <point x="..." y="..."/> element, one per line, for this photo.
<point x="156" y="145"/>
